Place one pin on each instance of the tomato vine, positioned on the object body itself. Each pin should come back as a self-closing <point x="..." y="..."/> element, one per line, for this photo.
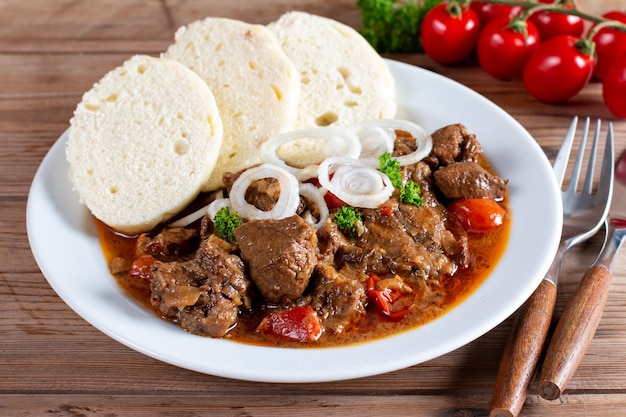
<point x="540" y="41"/>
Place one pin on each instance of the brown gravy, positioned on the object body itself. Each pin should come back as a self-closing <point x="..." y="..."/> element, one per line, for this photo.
<point x="486" y="249"/>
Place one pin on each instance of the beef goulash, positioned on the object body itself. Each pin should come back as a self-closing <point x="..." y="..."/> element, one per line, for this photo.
<point x="319" y="270"/>
<point x="252" y="183"/>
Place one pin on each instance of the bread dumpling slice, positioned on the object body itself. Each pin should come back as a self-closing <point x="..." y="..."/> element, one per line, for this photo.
<point x="343" y="79"/>
<point x="255" y="85"/>
<point x="142" y="143"/>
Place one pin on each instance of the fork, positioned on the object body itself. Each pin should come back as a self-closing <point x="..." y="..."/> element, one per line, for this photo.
<point x="581" y="316"/>
<point x="583" y="214"/>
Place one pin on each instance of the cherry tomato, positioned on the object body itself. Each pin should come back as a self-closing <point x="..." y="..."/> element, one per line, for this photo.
<point x="478" y="214"/>
<point x="449" y="36"/>
<point x="614" y="87"/>
<point x="488" y="11"/>
<point x="558" y="69"/>
<point x="551" y="24"/>
<point x="504" y="46"/>
<point x="610" y="44"/>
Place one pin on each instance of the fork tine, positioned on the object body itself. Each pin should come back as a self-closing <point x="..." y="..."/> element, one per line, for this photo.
<point x="608" y="166"/>
<point x="560" y="162"/>
<point x="579" y="159"/>
<point x="590" y="167"/>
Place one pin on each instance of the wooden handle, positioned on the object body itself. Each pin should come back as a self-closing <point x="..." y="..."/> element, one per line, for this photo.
<point x="522" y="352"/>
<point x="574" y="332"/>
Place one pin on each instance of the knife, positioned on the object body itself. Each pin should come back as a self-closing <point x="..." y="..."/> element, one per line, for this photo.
<point x="582" y="314"/>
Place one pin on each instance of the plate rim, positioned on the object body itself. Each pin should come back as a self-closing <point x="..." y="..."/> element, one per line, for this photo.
<point x="310" y="374"/>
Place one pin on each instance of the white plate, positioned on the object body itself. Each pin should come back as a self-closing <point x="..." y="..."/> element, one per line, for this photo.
<point x="64" y="241"/>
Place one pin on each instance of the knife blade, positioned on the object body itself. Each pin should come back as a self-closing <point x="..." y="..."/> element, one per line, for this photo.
<point x="582" y="314"/>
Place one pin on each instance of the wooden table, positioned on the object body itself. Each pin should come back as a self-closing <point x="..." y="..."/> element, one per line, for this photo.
<point x="53" y="363"/>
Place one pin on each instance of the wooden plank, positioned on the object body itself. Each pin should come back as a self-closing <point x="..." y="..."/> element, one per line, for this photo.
<point x="73" y="20"/>
<point x="239" y="403"/>
<point x="53" y="362"/>
<point x="38" y="322"/>
<point x="84" y="26"/>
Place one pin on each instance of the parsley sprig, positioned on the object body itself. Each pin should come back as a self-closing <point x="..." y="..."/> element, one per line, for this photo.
<point x="410" y="192"/>
<point x="349" y="220"/>
<point x="393" y="25"/>
<point x="391" y="167"/>
<point x="225" y="222"/>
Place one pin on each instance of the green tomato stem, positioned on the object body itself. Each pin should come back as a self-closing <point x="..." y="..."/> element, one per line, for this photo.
<point x="534" y="6"/>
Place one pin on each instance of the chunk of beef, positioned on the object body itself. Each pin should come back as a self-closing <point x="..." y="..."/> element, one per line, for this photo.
<point x="330" y="240"/>
<point x="449" y="244"/>
<point x="171" y="243"/>
<point x="469" y="180"/>
<point x="404" y="143"/>
<point x="262" y="193"/>
<point x="411" y="242"/>
<point x="207" y="227"/>
<point x="403" y="239"/>
<point x="202" y="294"/>
<point x="453" y="143"/>
<point x="338" y="296"/>
<point x="390" y="248"/>
<point x="420" y="172"/>
<point x="280" y="254"/>
<point x="229" y="178"/>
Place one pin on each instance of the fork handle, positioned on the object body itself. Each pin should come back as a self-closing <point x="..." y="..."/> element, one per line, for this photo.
<point x="574" y="332"/>
<point x="522" y="350"/>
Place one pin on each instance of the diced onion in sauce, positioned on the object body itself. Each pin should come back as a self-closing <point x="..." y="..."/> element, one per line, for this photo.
<point x="288" y="200"/>
<point x="354" y="182"/>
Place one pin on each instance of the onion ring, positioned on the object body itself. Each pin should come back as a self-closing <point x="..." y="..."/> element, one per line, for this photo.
<point x="338" y="140"/>
<point x="375" y="141"/>
<point x="367" y="131"/>
<point x="288" y="200"/>
<point x="316" y="195"/>
<point x="355" y="182"/>
<point x="216" y="205"/>
<point x="198" y="214"/>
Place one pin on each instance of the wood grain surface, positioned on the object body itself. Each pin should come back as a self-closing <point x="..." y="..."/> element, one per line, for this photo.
<point x="53" y="363"/>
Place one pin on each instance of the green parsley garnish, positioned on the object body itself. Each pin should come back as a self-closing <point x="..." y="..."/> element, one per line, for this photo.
<point x="391" y="168"/>
<point x="225" y="222"/>
<point x="411" y="193"/>
<point x="349" y="220"/>
<point x="394" y="25"/>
